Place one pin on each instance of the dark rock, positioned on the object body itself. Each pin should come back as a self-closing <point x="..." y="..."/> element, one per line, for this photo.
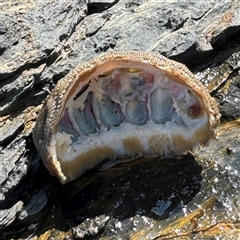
<point x="51" y="39"/>
<point x="224" y="82"/>
<point x="9" y="215"/>
<point x="90" y="227"/>
<point x="36" y="204"/>
<point x="40" y="32"/>
<point x="95" y="6"/>
<point x="229" y="100"/>
<point x="197" y="197"/>
<point x="3" y="28"/>
<point x="10" y="128"/>
<point x="13" y="167"/>
<point x="21" y="213"/>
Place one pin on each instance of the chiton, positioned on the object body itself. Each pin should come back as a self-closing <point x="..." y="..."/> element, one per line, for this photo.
<point x="122" y="105"/>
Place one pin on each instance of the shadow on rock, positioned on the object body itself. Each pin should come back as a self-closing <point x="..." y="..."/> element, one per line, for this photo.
<point x="153" y="188"/>
<point x="147" y="187"/>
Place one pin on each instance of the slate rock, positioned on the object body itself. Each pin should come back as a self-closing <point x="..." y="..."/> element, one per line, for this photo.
<point x="9" y="215"/>
<point x="40" y="41"/>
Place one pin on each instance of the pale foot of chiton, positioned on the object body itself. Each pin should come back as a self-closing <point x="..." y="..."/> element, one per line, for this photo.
<point x="123" y="105"/>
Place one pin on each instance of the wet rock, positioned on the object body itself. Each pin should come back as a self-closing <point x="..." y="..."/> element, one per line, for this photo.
<point x="229" y="99"/>
<point x="90" y="227"/>
<point x="95" y="6"/>
<point x="195" y="197"/>
<point x="27" y="212"/>
<point x="36" y="204"/>
<point x="9" y="215"/>
<point x="166" y="209"/>
<point x="223" y="82"/>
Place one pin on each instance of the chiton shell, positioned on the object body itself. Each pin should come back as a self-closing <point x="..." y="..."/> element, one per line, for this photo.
<point x="122" y="105"/>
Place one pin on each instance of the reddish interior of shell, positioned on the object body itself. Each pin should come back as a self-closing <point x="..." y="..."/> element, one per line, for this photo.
<point x="124" y="110"/>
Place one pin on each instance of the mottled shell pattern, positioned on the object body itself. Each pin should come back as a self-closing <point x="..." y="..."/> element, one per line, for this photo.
<point x="122" y="105"/>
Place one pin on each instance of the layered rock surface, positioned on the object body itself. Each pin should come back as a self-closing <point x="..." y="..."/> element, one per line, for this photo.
<point x="198" y="196"/>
